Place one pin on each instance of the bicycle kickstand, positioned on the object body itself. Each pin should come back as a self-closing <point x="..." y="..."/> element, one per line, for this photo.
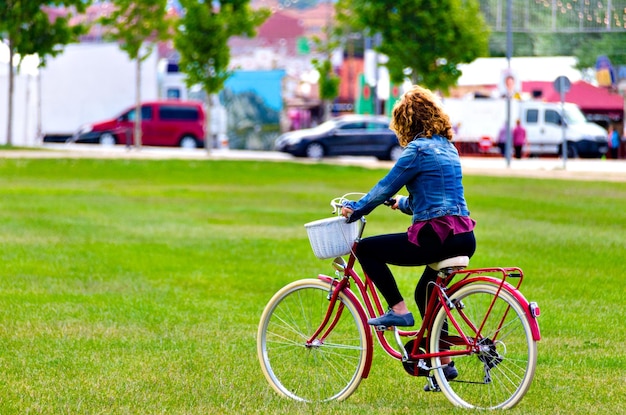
<point x="432" y="384"/>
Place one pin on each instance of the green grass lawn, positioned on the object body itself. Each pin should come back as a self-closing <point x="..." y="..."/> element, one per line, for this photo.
<point x="135" y="287"/>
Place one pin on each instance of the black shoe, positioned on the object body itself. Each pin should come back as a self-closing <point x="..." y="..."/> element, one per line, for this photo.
<point x="390" y="319"/>
<point x="449" y="372"/>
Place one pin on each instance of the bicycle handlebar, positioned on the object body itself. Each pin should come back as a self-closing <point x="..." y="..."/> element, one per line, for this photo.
<point x="338" y="202"/>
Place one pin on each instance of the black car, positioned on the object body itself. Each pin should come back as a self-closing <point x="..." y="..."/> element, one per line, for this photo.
<point x="348" y="135"/>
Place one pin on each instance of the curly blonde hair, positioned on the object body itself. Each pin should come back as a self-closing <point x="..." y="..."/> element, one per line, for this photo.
<point x="418" y="113"/>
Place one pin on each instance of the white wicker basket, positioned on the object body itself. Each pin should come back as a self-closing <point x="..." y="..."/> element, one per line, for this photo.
<point x="332" y="237"/>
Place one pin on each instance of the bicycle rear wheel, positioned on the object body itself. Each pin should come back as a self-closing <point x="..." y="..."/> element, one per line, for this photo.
<point x="497" y="374"/>
<point x="326" y="370"/>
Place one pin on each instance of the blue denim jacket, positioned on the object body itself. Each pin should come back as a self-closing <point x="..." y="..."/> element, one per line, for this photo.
<point x="430" y="168"/>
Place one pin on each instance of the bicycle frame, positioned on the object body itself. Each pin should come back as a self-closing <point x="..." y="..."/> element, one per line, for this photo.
<point x="371" y="306"/>
<point x="315" y="345"/>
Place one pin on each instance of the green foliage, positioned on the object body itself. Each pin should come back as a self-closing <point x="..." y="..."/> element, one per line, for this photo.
<point x="137" y="26"/>
<point x="558" y="29"/>
<point x="328" y="83"/>
<point x="28" y="30"/>
<point x="586" y="47"/>
<point x="133" y="23"/>
<point x="421" y="38"/>
<point x="136" y="286"/>
<point x="202" y="38"/>
<point x="608" y="44"/>
<point x="25" y="24"/>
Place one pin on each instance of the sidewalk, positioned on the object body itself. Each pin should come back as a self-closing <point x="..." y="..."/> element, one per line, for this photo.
<point x="580" y="169"/>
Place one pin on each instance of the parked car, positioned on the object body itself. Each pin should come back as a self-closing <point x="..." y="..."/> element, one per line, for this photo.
<point x="348" y="135"/>
<point x="163" y="123"/>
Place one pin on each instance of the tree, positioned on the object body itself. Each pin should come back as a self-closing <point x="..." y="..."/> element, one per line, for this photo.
<point x="137" y="26"/>
<point x="607" y="44"/>
<point x="328" y="80"/>
<point x="27" y="29"/>
<point x="585" y="29"/>
<point x="201" y="39"/>
<point x="328" y="83"/>
<point x="423" y="40"/>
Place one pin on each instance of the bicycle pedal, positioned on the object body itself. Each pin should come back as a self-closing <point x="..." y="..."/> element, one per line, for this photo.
<point x="383" y="328"/>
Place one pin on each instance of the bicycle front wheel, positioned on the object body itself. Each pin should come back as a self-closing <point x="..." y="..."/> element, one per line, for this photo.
<point x="499" y="370"/>
<point x="327" y="369"/>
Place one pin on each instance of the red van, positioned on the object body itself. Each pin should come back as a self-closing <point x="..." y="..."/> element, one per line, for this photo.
<point x="163" y="123"/>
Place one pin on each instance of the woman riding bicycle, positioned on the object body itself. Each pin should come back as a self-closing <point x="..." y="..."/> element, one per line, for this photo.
<point x="313" y="342"/>
<point x="430" y="169"/>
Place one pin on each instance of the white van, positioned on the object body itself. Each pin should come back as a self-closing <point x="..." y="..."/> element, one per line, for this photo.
<point x="478" y="119"/>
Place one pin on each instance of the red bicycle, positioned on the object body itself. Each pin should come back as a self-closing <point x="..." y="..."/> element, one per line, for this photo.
<point x="314" y="343"/>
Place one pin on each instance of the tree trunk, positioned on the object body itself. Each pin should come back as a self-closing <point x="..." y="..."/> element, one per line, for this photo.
<point x="326" y="112"/>
<point x="138" y="104"/>
<point x="10" y="97"/>
<point x="208" y="137"/>
<point x="39" y="106"/>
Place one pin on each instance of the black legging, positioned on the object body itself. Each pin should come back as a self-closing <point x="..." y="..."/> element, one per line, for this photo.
<point x="375" y="252"/>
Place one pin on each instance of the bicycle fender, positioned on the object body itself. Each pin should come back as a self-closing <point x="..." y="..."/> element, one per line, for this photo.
<point x="534" y="325"/>
<point x="368" y="333"/>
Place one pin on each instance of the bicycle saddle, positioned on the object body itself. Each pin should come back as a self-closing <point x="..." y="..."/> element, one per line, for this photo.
<point x="457" y="262"/>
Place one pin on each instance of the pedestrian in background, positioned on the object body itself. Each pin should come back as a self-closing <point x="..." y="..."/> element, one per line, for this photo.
<point x="614" y="141"/>
<point x="502" y="140"/>
<point x="519" y="139"/>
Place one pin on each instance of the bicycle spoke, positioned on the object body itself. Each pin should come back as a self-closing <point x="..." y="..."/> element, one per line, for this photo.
<point x="327" y="368"/>
<point x="498" y="372"/>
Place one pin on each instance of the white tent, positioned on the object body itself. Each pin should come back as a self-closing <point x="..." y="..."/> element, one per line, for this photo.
<point x="488" y="71"/>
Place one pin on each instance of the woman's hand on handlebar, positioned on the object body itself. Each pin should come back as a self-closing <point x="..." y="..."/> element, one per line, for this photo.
<point x="346" y="212"/>
<point x="392" y="203"/>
